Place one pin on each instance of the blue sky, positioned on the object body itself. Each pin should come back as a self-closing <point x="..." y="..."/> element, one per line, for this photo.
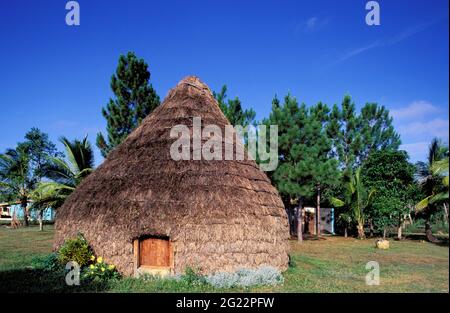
<point x="56" y="77"/>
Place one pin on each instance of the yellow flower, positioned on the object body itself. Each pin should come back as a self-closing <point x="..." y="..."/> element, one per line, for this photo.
<point x="111" y="267"/>
<point x="103" y="269"/>
<point x="91" y="266"/>
<point x="92" y="257"/>
<point x="99" y="259"/>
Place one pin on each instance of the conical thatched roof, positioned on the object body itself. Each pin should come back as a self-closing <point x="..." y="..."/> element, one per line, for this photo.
<point x="220" y="215"/>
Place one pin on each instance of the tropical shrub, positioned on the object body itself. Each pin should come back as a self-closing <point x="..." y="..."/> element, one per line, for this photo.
<point x="99" y="270"/>
<point x="47" y="262"/>
<point x="76" y="249"/>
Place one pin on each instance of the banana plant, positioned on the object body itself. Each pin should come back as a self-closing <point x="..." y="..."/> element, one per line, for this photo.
<point x="65" y="174"/>
<point x="356" y="199"/>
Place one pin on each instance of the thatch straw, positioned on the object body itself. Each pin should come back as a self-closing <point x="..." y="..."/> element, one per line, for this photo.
<point x="220" y="215"/>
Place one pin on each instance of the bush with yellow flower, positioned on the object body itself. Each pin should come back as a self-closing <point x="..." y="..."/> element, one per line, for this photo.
<point x="98" y="269"/>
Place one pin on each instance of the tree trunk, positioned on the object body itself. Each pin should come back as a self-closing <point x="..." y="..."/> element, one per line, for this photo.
<point x="371" y="230"/>
<point x="345" y="232"/>
<point x="299" y="222"/>
<point x="446" y="213"/>
<point x="384" y="233"/>
<point x="361" y="234"/>
<point x="429" y="233"/>
<point x="318" y="217"/>
<point x="399" y="229"/>
<point x="41" y="217"/>
<point x="289" y="214"/>
<point x="23" y="204"/>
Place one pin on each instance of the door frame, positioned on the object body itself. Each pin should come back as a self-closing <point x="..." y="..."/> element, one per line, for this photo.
<point x="154" y="270"/>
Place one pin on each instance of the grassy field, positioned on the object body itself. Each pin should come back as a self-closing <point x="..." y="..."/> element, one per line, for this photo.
<point x="332" y="264"/>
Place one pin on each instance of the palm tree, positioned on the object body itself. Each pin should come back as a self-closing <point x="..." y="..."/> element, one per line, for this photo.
<point x="345" y="219"/>
<point x="65" y="175"/>
<point x="356" y="199"/>
<point x="432" y="177"/>
<point x="16" y="180"/>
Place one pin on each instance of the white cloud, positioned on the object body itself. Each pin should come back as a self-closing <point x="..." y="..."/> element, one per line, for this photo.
<point x="414" y="110"/>
<point x="408" y="32"/>
<point x="418" y="123"/>
<point x="359" y="50"/>
<point x="312" y="24"/>
<point x="436" y="127"/>
<point x="416" y="150"/>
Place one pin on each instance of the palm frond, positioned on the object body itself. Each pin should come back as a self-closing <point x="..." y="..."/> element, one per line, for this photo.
<point x="442" y="196"/>
<point x="79" y="153"/>
<point x="337" y="202"/>
<point x="422" y="204"/>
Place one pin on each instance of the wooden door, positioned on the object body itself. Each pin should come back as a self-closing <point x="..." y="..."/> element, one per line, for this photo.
<point x="155" y="252"/>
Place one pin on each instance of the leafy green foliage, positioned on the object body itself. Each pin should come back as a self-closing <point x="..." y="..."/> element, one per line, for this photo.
<point x="356" y="199"/>
<point x="304" y="152"/>
<point x="344" y="219"/>
<point x="377" y="130"/>
<point x="48" y="262"/>
<point x="232" y="109"/>
<point x="432" y="177"/>
<point x="99" y="270"/>
<point x="303" y="149"/>
<point x="192" y="277"/>
<point x="40" y="149"/>
<point x="134" y="99"/>
<point x="76" y="249"/>
<point x="66" y="175"/>
<point x="390" y="173"/>
<point x="356" y="136"/>
<point x="16" y="178"/>
<point x="21" y="169"/>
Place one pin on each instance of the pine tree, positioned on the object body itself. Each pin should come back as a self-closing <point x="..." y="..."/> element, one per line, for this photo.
<point x="232" y="109"/>
<point x="344" y="129"/>
<point x="377" y="130"/>
<point x="134" y="99"/>
<point x="356" y="136"/>
<point x="305" y="165"/>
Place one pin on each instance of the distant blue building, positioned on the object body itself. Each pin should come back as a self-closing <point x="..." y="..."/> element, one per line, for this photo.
<point x="7" y="211"/>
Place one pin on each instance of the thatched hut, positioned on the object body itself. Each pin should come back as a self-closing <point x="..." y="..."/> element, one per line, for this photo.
<point x="142" y="210"/>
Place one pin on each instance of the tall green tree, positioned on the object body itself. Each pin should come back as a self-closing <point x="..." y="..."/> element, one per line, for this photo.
<point x="16" y="178"/>
<point x="40" y="149"/>
<point x="357" y="198"/>
<point x="355" y="136"/>
<point x="392" y="176"/>
<point x="134" y="99"/>
<point x="433" y="184"/>
<point x="232" y="109"/>
<point x="377" y="130"/>
<point x="344" y="129"/>
<point x="21" y="169"/>
<point x="303" y="148"/>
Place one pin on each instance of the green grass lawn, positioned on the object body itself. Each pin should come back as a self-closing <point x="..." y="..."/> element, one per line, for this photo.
<point x="332" y="264"/>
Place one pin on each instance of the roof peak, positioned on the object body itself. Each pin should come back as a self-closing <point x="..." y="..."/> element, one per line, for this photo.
<point x="193" y="81"/>
<point x="189" y="85"/>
